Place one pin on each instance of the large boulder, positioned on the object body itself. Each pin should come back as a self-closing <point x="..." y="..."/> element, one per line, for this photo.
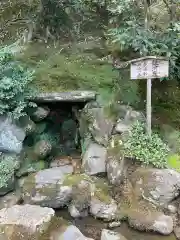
<point x="118" y="166"/>
<point x="94" y="159"/>
<point x="24" y="222"/>
<point x="159" y="186"/>
<point x="126" y="117"/>
<point x="150" y="220"/>
<point x="46" y="187"/>
<point x="111" y="235"/>
<point x="98" y="124"/>
<point x="11" y="136"/>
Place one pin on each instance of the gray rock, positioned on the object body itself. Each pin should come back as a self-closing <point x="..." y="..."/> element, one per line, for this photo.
<point x="118" y="165"/>
<point x="73" y="96"/>
<point x="75" y="213"/>
<point x="72" y="233"/>
<point x="42" y="149"/>
<point x="24" y="221"/>
<point x="114" y="224"/>
<point x="159" y="186"/>
<point x="102" y="209"/>
<point x="111" y="235"/>
<point x="46" y="187"/>
<point x="94" y="121"/>
<point x="94" y="159"/>
<point x="127" y="116"/>
<point x="156" y="222"/>
<point x="40" y="114"/>
<point x="11" y="136"/>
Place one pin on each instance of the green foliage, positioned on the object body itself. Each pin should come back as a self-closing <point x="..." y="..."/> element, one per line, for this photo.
<point x="7" y="168"/>
<point x="173" y="162"/>
<point x="147" y="150"/>
<point x="14" y="82"/>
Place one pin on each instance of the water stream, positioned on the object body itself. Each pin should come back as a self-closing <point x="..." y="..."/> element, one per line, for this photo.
<point x="91" y="227"/>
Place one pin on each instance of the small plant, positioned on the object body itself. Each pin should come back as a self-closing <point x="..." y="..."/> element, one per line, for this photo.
<point x="145" y="149"/>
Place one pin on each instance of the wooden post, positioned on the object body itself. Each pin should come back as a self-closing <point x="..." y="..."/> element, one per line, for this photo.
<point x="148" y="107"/>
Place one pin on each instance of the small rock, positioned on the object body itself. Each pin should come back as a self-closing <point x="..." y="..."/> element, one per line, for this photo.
<point x="172" y="209"/>
<point x="75" y="213"/>
<point x="40" y="114"/>
<point x="23" y="221"/>
<point x="114" y="224"/>
<point x="111" y="235"/>
<point x="102" y="209"/>
<point x="94" y="159"/>
<point x="60" y="161"/>
<point x="42" y="149"/>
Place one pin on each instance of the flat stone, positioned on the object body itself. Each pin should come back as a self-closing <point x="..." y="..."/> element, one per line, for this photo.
<point x="72" y="96"/>
<point x="32" y="218"/>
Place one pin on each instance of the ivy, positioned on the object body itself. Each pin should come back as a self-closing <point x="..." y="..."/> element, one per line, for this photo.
<point x="145" y="149"/>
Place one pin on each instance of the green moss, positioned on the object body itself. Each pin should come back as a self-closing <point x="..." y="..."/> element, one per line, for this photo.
<point x="57" y="70"/>
<point x="71" y="180"/>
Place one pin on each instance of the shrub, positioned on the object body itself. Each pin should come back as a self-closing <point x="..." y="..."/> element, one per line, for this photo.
<point x="7" y="168"/>
<point x="14" y="82"/>
<point x="147" y="150"/>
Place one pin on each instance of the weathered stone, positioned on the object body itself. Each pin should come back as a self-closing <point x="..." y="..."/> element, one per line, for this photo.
<point x="118" y="165"/>
<point x="60" y="161"/>
<point x="151" y="221"/>
<point x="159" y="186"/>
<point x="42" y="149"/>
<point x="99" y="125"/>
<point x="94" y="159"/>
<point x="40" y="113"/>
<point x="72" y="233"/>
<point x="75" y="213"/>
<point x="111" y="235"/>
<point x="114" y="224"/>
<point x="102" y="209"/>
<point x="73" y="96"/>
<point x="127" y="116"/>
<point x="47" y="188"/>
<point x="11" y="136"/>
<point x="24" y="221"/>
<point x="10" y="199"/>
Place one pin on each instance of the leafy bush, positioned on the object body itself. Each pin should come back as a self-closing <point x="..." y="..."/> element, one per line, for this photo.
<point x="147" y="150"/>
<point x="7" y="168"/>
<point x="14" y="82"/>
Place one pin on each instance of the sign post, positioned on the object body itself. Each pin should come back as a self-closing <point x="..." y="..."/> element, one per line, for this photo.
<point x="149" y="68"/>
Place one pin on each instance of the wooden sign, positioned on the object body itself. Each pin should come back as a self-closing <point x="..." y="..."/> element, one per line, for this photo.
<point x="149" y="67"/>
